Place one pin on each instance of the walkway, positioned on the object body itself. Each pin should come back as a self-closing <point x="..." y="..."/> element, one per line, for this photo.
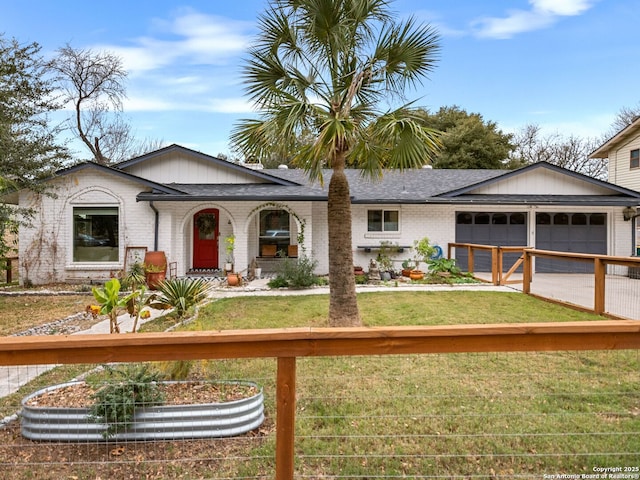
<point x="13" y="377"/>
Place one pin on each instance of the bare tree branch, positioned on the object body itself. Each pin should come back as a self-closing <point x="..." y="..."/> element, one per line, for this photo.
<point x="94" y="83"/>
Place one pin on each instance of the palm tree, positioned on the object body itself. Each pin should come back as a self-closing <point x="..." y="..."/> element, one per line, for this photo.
<point x="334" y="68"/>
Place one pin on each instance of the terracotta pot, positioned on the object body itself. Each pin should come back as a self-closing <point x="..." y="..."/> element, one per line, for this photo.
<point x="233" y="279"/>
<point x="154" y="279"/>
<point x="157" y="259"/>
<point x="416" y="275"/>
<point x="406" y="272"/>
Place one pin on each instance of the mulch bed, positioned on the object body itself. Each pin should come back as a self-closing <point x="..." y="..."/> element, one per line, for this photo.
<point x="184" y="459"/>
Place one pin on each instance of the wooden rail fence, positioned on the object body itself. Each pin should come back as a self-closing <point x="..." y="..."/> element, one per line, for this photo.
<point x="288" y="344"/>
<point x="526" y="261"/>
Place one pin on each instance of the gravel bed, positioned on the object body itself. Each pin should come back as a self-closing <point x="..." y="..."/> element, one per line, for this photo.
<point x="66" y="326"/>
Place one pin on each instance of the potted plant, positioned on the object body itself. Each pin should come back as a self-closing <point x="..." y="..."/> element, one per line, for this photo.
<point x="407" y="266"/>
<point x="154" y="274"/>
<point x="423" y="250"/>
<point x="385" y="263"/>
<point x="255" y="270"/>
<point x="229" y="246"/>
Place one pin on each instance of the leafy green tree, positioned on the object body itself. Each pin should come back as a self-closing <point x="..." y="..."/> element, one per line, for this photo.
<point x="334" y="68"/>
<point x="28" y="148"/>
<point x="468" y="141"/>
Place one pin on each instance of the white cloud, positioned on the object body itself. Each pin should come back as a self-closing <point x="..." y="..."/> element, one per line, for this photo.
<point x="542" y="14"/>
<point x="190" y="38"/>
<point x="185" y="62"/>
<point x="561" y="7"/>
<point x="187" y="103"/>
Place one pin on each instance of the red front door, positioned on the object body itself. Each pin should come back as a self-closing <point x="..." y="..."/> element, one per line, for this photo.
<point x="205" y="238"/>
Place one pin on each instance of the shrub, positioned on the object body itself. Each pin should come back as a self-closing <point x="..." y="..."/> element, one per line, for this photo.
<point x="116" y="400"/>
<point x="444" y="265"/>
<point x="296" y="274"/>
<point x="361" y="279"/>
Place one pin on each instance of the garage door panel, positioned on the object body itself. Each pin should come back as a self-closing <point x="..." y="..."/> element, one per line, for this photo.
<point x="565" y="232"/>
<point x="500" y="229"/>
<point x="577" y="232"/>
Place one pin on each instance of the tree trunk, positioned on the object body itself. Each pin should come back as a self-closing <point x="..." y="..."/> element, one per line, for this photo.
<point x="343" y="305"/>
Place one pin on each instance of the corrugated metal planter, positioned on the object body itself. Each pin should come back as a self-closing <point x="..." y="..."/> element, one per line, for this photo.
<point x="164" y="422"/>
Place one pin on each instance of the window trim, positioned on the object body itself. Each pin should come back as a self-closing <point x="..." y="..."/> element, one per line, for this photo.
<point x="72" y="246"/>
<point x="634" y="159"/>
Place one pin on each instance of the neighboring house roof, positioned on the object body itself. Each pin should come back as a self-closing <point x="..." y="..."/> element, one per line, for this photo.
<point x="623" y="136"/>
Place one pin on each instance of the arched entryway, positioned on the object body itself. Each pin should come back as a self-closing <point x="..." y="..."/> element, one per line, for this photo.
<point x="205" y="238"/>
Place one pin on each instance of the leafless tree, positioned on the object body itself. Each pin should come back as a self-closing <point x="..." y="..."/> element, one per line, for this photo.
<point x="570" y="152"/>
<point x="94" y="83"/>
<point x="624" y="118"/>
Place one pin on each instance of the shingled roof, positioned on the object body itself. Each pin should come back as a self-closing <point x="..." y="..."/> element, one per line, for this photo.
<point x="407" y="187"/>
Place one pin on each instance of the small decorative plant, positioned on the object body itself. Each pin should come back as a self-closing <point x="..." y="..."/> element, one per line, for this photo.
<point x="134" y="277"/>
<point x="181" y="294"/>
<point x="385" y="262"/>
<point x="444" y="265"/>
<point x="137" y="306"/>
<point x="229" y="246"/>
<point x="423" y="250"/>
<point x="110" y="301"/>
<point x="408" y="264"/>
<point x="151" y="268"/>
<point x="128" y="388"/>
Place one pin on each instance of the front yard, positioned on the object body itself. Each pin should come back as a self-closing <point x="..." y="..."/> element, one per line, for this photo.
<point x="469" y="415"/>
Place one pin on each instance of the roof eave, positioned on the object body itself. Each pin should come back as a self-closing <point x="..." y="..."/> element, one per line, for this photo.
<point x="603" y="150"/>
<point x="151" y="197"/>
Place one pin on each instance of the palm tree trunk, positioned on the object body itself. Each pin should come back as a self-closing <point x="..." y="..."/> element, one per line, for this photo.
<point x="343" y="305"/>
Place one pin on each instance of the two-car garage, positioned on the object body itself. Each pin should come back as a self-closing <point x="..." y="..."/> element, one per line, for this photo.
<point x="560" y="231"/>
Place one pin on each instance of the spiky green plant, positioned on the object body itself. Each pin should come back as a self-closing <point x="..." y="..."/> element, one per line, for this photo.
<point x="181" y="294"/>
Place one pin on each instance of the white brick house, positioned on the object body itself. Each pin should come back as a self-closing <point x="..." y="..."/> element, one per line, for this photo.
<point x="100" y="214"/>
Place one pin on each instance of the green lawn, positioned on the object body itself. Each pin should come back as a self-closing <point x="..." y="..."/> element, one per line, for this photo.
<point x="386" y="309"/>
<point x="459" y="414"/>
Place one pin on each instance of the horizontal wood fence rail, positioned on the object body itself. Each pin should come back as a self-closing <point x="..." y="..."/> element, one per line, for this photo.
<point x="288" y="344"/>
<point x="320" y="342"/>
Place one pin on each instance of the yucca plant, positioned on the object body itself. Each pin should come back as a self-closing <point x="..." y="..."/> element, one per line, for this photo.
<point x="181" y="294"/>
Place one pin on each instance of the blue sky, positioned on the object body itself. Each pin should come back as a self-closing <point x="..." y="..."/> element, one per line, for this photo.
<point x="566" y="65"/>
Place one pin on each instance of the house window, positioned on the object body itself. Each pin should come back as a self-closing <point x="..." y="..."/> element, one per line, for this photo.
<point x="383" y="221"/>
<point x="95" y="234"/>
<point x="275" y="233"/>
<point x="634" y="161"/>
